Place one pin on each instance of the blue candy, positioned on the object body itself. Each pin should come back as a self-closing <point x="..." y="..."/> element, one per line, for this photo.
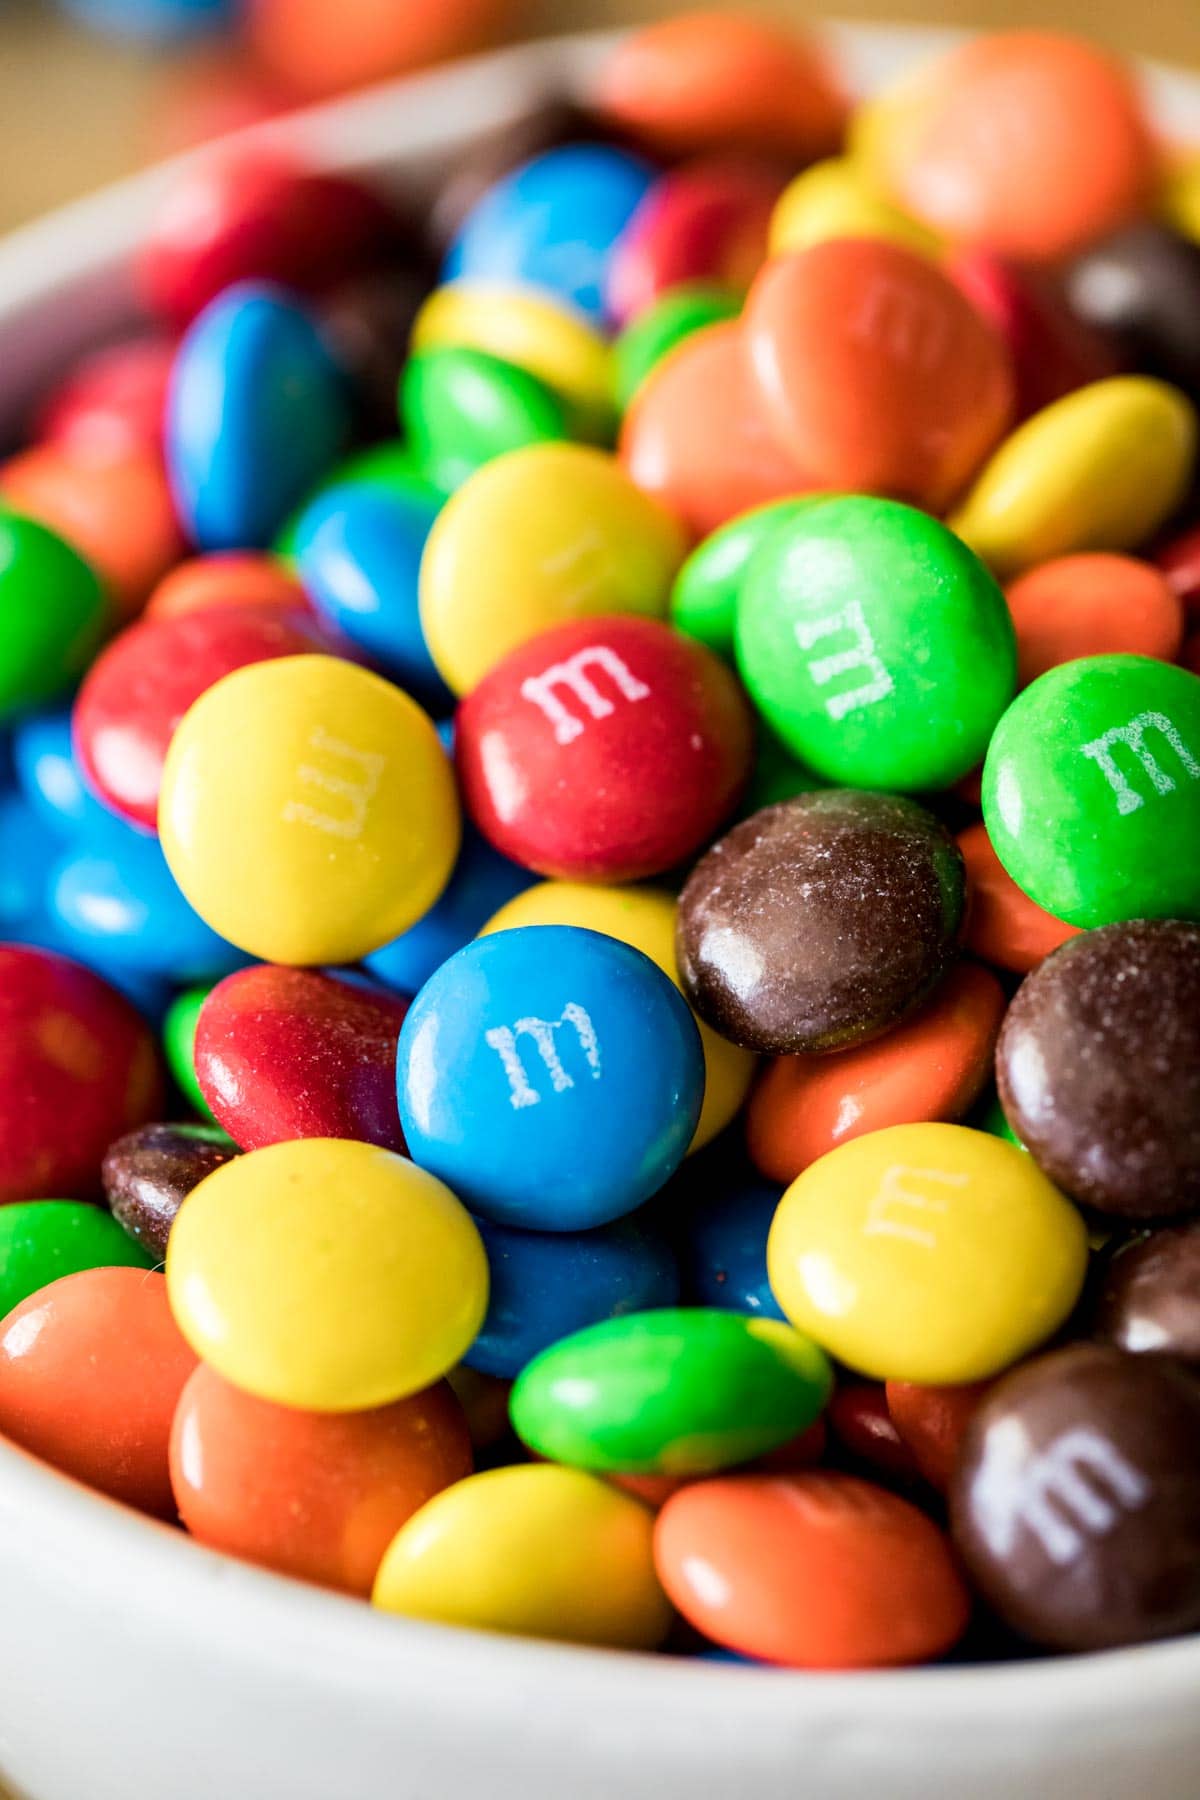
<point x="49" y="775"/>
<point x="114" y="903"/>
<point x="158" y="21"/>
<point x="358" y="550"/>
<point x="483" y="881"/>
<point x="256" y="413"/>
<point x="553" y="224"/>
<point x="552" y="1077"/>
<point x="723" y="1246"/>
<point x="28" y="849"/>
<point x="545" y="1285"/>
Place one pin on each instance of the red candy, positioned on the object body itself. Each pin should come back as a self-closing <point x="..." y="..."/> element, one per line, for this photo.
<point x="698" y="439"/>
<point x="606" y="750"/>
<point x="707" y="221"/>
<point x="876" y="373"/>
<point x="1180" y="563"/>
<point x="139" y="688"/>
<point x="861" y="1423"/>
<point x="812" y="1571"/>
<point x="315" y="1495"/>
<point x="91" y="1370"/>
<point x="1052" y="353"/>
<point x="78" y="1069"/>
<point x="112" y="401"/>
<point x="241" y="215"/>
<point x="932" y="1422"/>
<point x="293" y="1053"/>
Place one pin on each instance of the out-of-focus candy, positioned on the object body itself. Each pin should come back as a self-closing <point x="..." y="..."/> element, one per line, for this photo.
<point x="312" y="51"/>
<point x="77" y="1068"/>
<point x="461" y="408"/>
<point x="233" y="578"/>
<point x="721" y="81"/>
<point x="820" y="922"/>
<point x="315" y="1495"/>
<point x="835" y="199"/>
<point x="1004" y="926"/>
<point x="42" y="1240"/>
<point x="483" y="882"/>
<point x="665" y="323"/>
<point x="932" y="1066"/>
<point x="112" y="401"/>
<point x="536" y="1550"/>
<point x="813" y="1571"/>
<point x="928" y="1253"/>
<point x="1149" y="1298"/>
<point x="864" y="1432"/>
<point x="1100" y="469"/>
<point x="932" y="1421"/>
<point x="1085" y="773"/>
<point x="543" y="535"/>
<point x="52" y="614"/>
<point x="605" y="750"/>
<point x="91" y="1369"/>
<point x="1052" y="352"/>
<point x="298" y="858"/>
<point x="875" y="644"/>
<point x="149" y="1173"/>
<point x="552" y="1037"/>
<point x="1099" y="1068"/>
<point x="1091" y="605"/>
<point x="179" y="1044"/>
<point x="1141" y="288"/>
<point x="297" y="1053"/>
<point x="326" y="1275"/>
<point x="876" y="373"/>
<point x="704" y="597"/>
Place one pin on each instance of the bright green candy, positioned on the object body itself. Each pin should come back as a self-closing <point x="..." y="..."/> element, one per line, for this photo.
<point x="680" y="312"/>
<point x="992" y="1118"/>
<point x="53" y="614"/>
<point x="41" y="1240"/>
<point x="677" y="1392"/>
<point x="876" y="644"/>
<point x="704" y="597"/>
<point x="461" y="408"/>
<point x="393" y="465"/>
<point x="1091" y="791"/>
<point x="179" y="1044"/>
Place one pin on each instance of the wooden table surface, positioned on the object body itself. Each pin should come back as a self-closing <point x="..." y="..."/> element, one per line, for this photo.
<point x="74" y="109"/>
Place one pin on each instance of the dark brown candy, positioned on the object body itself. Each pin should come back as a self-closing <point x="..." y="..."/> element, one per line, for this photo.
<point x="1149" y="1298"/>
<point x="1076" y="1501"/>
<point x="367" y="323"/>
<point x="1141" y="288"/>
<point x="148" y="1175"/>
<point x="1098" y="1067"/>
<point x="821" y="921"/>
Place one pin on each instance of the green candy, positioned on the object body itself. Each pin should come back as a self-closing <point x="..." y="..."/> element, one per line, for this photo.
<point x="462" y="408"/>
<point x="179" y="1045"/>
<point x="1091" y="791"/>
<point x="42" y="1240"/>
<point x="876" y="644"/>
<point x="991" y="1117"/>
<point x="677" y="1392"/>
<point x="53" y="614"/>
<point x="704" y="597"/>
<point x="681" y="311"/>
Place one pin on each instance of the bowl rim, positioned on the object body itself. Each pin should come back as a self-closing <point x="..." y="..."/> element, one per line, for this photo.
<point x="79" y="253"/>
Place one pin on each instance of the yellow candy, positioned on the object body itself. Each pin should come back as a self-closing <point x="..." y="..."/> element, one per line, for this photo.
<point x="1099" y="470"/>
<point x="308" y="810"/>
<point x="536" y="1549"/>
<point x="1180" y="205"/>
<point x="534" y="332"/>
<point x="835" y="199"/>
<point x="645" y="918"/>
<point x="926" y="1253"/>
<point x="326" y="1274"/>
<point x="538" y="537"/>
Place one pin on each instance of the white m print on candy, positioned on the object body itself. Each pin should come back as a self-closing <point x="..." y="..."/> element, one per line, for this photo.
<point x="861" y="656"/>
<point x="356" y="790"/>
<point x="503" y="1040"/>
<point x="572" y="675"/>
<point x="1102" y="751"/>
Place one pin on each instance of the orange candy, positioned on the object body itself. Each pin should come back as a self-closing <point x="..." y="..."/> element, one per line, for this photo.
<point x="115" y="509"/>
<point x="804" y="1451"/>
<point x="875" y="371"/>
<point x="931" y="1422"/>
<point x="311" y="47"/>
<point x="91" y="1370"/>
<point x="1027" y="143"/>
<point x="1004" y="926"/>
<point x="1091" y="605"/>
<point x="227" y="578"/>
<point x="933" y="1066"/>
<point x="697" y="438"/>
<point x="812" y="1571"/>
<point x="721" y="81"/>
<point x="316" y="1495"/>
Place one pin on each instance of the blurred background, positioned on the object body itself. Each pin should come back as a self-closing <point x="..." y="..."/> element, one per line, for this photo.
<point x="91" y="89"/>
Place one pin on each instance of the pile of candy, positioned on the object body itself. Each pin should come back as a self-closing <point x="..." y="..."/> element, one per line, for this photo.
<point x="558" y="874"/>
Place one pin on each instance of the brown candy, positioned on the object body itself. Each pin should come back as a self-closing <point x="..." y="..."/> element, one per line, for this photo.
<point x="1141" y="288"/>
<point x="821" y="921"/>
<point x="1076" y="1502"/>
<point x="367" y="322"/>
<point x="148" y="1175"/>
<point x="1149" y="1299"/>
<point x="1098" y="1066"/>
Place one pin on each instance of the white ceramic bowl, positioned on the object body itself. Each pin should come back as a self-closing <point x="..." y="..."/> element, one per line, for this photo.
<point x="136" y="1665"/>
